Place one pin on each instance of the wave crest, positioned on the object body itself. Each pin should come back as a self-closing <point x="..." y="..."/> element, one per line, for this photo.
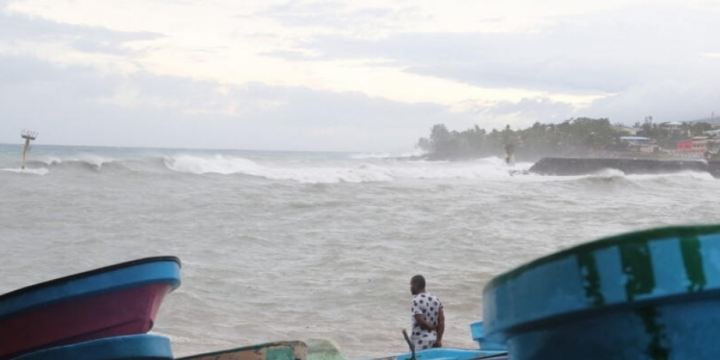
<point x="314" y="170"/>
<point x="216" y="165"/>
<point x="374" y="170"/>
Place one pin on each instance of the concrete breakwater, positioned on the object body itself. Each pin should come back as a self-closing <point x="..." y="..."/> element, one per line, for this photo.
<point x="583" y="166"/>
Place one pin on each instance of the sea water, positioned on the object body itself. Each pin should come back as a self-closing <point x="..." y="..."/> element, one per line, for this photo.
<point x="295" y="245"/>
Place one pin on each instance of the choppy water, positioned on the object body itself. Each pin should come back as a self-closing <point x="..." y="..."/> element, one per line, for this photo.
<point x="281" y="246"/>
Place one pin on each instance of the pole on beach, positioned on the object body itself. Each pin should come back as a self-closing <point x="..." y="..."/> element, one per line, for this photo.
<point x="28" y="136"/>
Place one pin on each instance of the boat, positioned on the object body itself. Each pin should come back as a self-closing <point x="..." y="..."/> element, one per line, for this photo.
<point x="651" y="294"/>
<point x="323" y="349"/>
<point x="281" y="350"/>
<point x="128" y="347"/>
<point x="117" y="300"/>
<point x="486" y="350"/>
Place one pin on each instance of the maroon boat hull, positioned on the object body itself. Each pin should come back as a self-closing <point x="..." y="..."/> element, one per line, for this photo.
<point x="113" y="301"/>
<point x="124" y="312"/>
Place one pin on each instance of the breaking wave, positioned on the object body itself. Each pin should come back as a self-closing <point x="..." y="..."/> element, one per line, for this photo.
<point x="326" y="169"/>
<point x="334" y="170"/>
<point x="339" y="171"/>
<point x="614" y="176"/>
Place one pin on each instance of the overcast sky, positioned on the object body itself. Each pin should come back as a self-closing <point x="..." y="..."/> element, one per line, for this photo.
<point x="345" y="75"/>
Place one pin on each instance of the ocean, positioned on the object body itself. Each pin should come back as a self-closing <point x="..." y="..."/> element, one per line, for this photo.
<point x="299" y="245"/>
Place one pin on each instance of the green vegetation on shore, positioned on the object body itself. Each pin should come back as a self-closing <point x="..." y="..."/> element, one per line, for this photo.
<point x="574" y="137"/>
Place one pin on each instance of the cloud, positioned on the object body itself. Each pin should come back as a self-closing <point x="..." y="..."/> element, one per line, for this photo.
<point x="332" y="15"/>
<point x="90" y="39"/>
<point x="485" y="60"/>
<point x="289" y="55"/>
<point x="36" y="78"/>
<point x="74" y="104"/>
<point x="542" y="109"/>
<point x="683" y="96"/>
<point x="653" y="59"/>
<point x="596" y="53"/>
<point x="78" y="105"/>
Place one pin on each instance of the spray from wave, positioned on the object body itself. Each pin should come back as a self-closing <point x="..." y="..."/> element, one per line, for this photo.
<point x="223" y="165"/>
<point x="215" y="165"/>
<point x="373" y="170"/>
<point x="385" y="155"/>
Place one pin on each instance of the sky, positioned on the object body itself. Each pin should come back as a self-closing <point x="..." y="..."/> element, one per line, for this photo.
<point x="371" y="75"/>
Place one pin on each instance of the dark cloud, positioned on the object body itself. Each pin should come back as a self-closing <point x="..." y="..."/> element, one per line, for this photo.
<point x="35" y="78"/>
<point x="19" y="27"/>
<point x="488" y="60"/>
<point x="683" y="99"/>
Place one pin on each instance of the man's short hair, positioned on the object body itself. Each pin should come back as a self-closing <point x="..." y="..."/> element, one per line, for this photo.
<point x="418" y="280"/>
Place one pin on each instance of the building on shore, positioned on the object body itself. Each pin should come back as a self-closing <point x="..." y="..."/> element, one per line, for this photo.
<point x="672" y="125"/>
<point x="626" y="129"/>
<point x="699" y="146"/>
<point x="640" y="144"/>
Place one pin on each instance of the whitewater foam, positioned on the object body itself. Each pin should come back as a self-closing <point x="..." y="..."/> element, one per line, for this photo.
<point x="335" y="172"/>
<point x="215" y="165"/>
<point x="30" y="171"/>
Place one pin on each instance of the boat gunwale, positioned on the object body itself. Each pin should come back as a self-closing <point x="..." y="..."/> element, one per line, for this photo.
<point x="86" y="274"/>
<point x="662" y="233"/>
<point x="141" y="346"/>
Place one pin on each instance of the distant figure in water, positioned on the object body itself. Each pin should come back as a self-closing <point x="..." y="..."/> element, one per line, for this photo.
<point x="428" y="318"/>
<point x="509" y="156"/>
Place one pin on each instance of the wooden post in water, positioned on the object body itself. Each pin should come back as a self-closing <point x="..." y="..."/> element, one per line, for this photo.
<point x="28" y="136"/>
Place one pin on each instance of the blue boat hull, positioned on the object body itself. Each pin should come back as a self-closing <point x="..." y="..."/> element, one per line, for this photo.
<point x="651" y="294"/>
<point x="132" y="347"/>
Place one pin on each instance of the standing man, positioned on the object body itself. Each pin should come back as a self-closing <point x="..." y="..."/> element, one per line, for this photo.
<point x="510" y="154"/>
<point x="428" y="318"/>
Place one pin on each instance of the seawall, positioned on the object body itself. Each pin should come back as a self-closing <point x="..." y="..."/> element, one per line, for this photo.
<point x="583" y="166"/>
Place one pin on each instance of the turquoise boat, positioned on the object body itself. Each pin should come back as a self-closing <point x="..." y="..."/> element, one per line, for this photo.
<point x="652" y="294"/>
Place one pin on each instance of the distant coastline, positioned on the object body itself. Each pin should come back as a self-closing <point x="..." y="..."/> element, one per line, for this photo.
<point x="576" y="138"/>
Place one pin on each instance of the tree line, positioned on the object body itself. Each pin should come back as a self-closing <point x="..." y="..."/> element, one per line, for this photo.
<point x="573" y="137"/>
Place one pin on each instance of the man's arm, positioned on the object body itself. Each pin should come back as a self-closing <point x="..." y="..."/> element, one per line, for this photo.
<point x="440" y="328"/>
<point x="420" y="320"/>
